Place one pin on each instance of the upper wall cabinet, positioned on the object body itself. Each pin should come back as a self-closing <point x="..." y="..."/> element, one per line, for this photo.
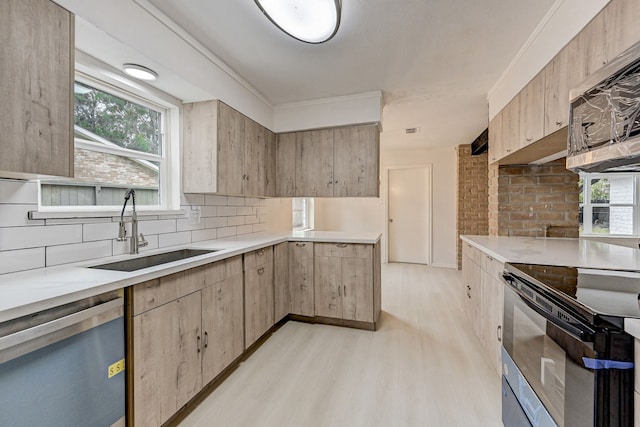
<point x="37" y="65"/>
<point x="340" y="162"/>
<point x="226" y="152"/>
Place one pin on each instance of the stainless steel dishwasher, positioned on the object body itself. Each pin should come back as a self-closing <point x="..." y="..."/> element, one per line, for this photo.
<point x="64" y="366"/>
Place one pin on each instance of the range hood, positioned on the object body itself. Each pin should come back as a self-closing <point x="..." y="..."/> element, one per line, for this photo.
<point x="604" y="119"/>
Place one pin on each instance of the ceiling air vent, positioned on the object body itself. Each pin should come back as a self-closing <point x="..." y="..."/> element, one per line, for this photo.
<point x="409" y="131"/>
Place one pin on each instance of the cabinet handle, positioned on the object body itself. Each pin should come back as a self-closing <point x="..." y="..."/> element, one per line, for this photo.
<point x="489" y="258"/>
<point x="508" y="150"/>
<point x="199" y="344"/>
<point x="206" y="339"/>
<point x="300" y="245"/>
<point x="558" y="123"/>
<point x="344" y="290"/>
<point x="468" y="291"/>
<point x="261" y="270"/>
<point x="341" y="245"/>
<point x="529" y="139"/>
<point x="260" y="252"/>
<point x="499" y="333"/>
<point x="339" y="290"/>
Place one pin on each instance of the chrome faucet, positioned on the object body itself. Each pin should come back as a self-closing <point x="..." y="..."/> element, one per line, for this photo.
<point x="136" y="241"/>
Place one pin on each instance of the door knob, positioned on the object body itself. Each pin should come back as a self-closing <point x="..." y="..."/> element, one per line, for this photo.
<point x="390" y="220"/>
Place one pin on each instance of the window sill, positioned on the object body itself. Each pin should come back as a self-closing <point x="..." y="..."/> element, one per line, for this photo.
<point x="107" y="213"/>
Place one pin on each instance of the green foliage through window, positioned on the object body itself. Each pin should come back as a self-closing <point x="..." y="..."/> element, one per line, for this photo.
<point x="117" y="120"/>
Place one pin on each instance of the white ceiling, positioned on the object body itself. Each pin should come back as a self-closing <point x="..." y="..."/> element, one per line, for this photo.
<point x="434" y="60"/>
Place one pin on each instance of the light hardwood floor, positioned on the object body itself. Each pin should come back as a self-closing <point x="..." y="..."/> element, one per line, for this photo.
<point x="423" y="367"/>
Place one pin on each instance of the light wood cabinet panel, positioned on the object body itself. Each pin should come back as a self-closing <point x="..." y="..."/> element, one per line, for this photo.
<point x="286" y="164"/>
<point x="200" y="147"/>
<point x="495" y="137"/>
<point x="591" y="52"/>
<point x="254" y="176"/>
<point x="557" y="93"/>
<point x="222" y="325"/>
<point x="166" y="359"/>
<point x="301" y="278"/>
<point x="622" y="29"/>
<point x="344" y="281"/>
<point x="270" y="163"/>
<point x="37" y="64"/>
<point x="532" y="111"/>
<point x="491" y="318"/>
<point x="281" y="297"/>
<point x="231" y="150"/>
<point x="258" y="294"/>
<point x="511" y="127"/>
<point x="314" y="163"/>
<point x="151" y="294"/>
<point x="472" y="292"/>
<point x="356" y="161"/>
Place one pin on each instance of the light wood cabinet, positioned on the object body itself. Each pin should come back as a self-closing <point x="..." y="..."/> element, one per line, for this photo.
<point x="281" y="292"/>
<point x="511" y="127"/>
<point x="185" y="329"/>
<point x="270" y="163"/>
<point x="37" y="64"/>
<point x="483" y="300"/>
<point x="531" y="115"/>
<point x="495" y="137"/>
<point x="258" y="294"/>
<point x="557" y="93"/>
<point x="301" y="278"/>
<point x="314" y="163"/>
<point x="225" y="152"/>
<point x="344" y="281"/>
<point x="622" y="30"/>
<point x="356" y="161"/>
<point x="340" y="162"/>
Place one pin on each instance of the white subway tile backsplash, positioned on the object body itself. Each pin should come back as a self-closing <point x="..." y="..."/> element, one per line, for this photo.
<point x="32" y="237"/>
<point x="157" y="227"/>
<point x="259" y="227"/>
<point x="100" y="231"/>
<point x="64" y="254"/>
<point x="200" y="235"/>
<point x="215" y="200"/>
<point x="246" y="210"/>
<point x="235" y="220"/>
<point x="245" y="229"/>
<point x="227" y="211"/>
<point x="251" y="219"/>
<point x="235" y="201"/>
<point x="23" y="259"/>
<point x="215" y="222"/>
<point x="186" y="225"/>
<point x="208" y="211"/>
<point x="252" y="201"/>
<point x="18" y="192"/>
<point x="227" y="232"/>
<point x="173" y="239"/>
<point x="192" y="199"/>
<point x="16" y="215"/>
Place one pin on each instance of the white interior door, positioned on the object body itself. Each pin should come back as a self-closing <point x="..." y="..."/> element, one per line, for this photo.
<point x="409" y="216"/>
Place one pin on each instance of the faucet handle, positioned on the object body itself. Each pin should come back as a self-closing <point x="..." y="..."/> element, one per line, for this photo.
<point x="142" y="241"/>
<point x="122" y="232"/>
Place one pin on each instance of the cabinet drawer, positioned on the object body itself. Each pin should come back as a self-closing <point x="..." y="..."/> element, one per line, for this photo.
<point x="492" y="266"/>
<point x="473" y="253"/>
<point x="221" y="270"/>
<point x="258" y="257"/>
<point x="344" y="250"/>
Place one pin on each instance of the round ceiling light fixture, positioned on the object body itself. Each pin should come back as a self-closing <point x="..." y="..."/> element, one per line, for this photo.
<point x="310" y="21"/>
<point x="140" y="72"/>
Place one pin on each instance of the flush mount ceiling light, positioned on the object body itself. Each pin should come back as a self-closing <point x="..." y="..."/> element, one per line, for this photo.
<point x="140" y="72"/>
<point x="310" y="21"/>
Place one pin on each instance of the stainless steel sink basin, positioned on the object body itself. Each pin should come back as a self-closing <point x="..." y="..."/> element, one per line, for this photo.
<point x="152" y="260"/>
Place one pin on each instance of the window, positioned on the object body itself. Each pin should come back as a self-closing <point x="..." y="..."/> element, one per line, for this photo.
<point x="608" y="204"/>
<point x="122" y="140"/>
<point x="302" y="218"/>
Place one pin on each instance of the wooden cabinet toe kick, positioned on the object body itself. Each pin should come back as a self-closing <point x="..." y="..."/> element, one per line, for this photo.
<point x="356" y="324"/>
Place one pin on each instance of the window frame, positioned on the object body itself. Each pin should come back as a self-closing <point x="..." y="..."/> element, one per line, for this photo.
<point x="94" y="73"/>
<point x="587" y="205"/>
<point x="308" y="210"/>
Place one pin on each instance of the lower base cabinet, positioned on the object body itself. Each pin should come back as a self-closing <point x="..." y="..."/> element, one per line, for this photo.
<point x="258" y="294"/>
<point x="185" y="328"/>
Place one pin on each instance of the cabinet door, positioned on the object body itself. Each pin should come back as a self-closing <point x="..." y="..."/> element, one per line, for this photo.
<point x="556" y="79"/>
<point x="286" y="165"/>
<point x="472" y="292"/>
<point x="314" y="163"/>
<point x="356" y="161"/>
<point x="357" y="289"/>
<point x="222" y="325"/>
<point x="37" y="69"/>
<point x="327" y="283"/>
<point x="282" y="295"/>
<point x="301" y="278"/>
<point x="532" y="111"/>
<point x="511" y="127"/>
<point x="270" y="163"/>
<point x="253" y="175"/>
<point x="231" y="147"/>
<point x="199" y="146"/>
<point x="592" y="44"/>
<point x="166" y="359"/>
<point x="495" y="137"/>
<point x="622" y="29"/>
<point x="258" y="302"/>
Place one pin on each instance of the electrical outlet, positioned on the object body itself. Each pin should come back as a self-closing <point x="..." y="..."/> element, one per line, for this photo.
<point x="194" y="215"/>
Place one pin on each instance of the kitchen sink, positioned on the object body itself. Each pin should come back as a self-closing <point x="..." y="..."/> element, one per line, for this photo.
<point x="152" y="260"/>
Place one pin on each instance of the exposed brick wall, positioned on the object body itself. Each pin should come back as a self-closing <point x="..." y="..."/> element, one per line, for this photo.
<point x="472" y="195"/>
<point x="92" y="166"/>
<point x="534" y="201"/>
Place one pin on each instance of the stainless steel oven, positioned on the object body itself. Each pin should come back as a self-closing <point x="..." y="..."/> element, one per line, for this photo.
<point x="566" y="359"/>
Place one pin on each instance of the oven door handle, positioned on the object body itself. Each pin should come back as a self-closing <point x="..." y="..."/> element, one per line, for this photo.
<point x="580" y="331"/>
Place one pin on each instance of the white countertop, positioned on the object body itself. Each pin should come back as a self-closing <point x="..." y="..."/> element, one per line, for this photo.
<point x="31" y="291"/>
<point x="558" y="251"/>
